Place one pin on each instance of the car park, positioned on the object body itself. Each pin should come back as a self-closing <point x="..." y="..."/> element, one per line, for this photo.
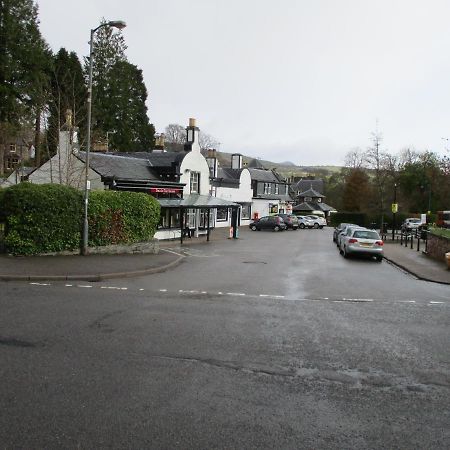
<point x="290" y="220"/>
<point x="275" y="223"/>
<point x="362" y="241"/>
<point x="304" y="222"/>
<point x="317" y="221"/>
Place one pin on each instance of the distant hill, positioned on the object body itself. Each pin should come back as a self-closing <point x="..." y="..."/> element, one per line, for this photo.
<point x="286" y="169"/>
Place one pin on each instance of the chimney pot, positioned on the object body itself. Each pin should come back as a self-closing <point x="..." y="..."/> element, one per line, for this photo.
<point x="192" y="122"/>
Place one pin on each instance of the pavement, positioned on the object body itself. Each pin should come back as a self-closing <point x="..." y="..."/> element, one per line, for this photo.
<point x="102" y="267"/>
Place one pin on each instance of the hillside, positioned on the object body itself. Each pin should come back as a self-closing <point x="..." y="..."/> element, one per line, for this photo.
<point x="287" y="169"/>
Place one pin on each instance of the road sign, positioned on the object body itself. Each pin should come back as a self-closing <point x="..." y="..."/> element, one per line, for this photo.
<point x="394" y="207"/>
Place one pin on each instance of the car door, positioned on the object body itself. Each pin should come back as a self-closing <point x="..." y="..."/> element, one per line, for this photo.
<point x="263" y="223"/>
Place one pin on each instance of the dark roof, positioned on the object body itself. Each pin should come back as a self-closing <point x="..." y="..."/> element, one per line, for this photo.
<point x="195" y="201"/>
<point x="313" y="206"/>
<point x="255" y="164"/>
<point x="111" y="165"/>
<point x="227" y="177"/>
<point x="304" y="185"/>
<point x="311" y="193"/>
<point x="157" y="159"/>
<point x="264" y="175"/>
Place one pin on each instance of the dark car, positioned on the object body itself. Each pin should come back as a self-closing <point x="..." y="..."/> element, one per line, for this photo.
<point x="338" y="230"/>
<point x="290" y="220"/>
<point x="274" y="223"/>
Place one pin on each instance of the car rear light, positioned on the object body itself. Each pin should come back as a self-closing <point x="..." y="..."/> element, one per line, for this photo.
<point x="352" y="240"/>
<point x="380" y="243"/>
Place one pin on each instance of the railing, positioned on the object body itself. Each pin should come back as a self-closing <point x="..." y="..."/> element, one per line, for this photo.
<point x="413" y="238"/>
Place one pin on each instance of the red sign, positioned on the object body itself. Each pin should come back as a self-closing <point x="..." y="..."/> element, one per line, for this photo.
<point x="165" y="190"/>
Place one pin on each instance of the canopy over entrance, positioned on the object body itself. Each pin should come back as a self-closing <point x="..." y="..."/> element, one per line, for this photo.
<point x="197" y="201"/>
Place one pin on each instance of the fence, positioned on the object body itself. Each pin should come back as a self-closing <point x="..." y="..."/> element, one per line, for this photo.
<point x="413" y="239"/>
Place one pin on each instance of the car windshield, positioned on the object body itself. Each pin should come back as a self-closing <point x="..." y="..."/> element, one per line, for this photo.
<point x="414" y="220"/>
<point x="366" y="234"/>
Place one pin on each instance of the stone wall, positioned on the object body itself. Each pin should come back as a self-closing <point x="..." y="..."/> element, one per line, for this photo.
<point x="437" y="246"/>
<point x="139" y="248"/>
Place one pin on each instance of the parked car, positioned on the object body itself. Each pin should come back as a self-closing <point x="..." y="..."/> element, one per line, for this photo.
<point x="274" y="223"/>
<point x="318" y="222"/>
<point x="344" y="231"/>
<point x="411" y="224"/>
<point x="290" y="220"/>
<point x="338" y="229"/>
<point x="304" y="222"/>
<point x="363" y="242"/>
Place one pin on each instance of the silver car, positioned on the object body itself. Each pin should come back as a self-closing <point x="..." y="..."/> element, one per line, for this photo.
<point x="305" y="222"/>
<point x="344" y="230"/>
<point x="363" y="242"/>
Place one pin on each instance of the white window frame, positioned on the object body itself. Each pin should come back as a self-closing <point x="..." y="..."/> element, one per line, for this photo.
<point x="194" y="183"/>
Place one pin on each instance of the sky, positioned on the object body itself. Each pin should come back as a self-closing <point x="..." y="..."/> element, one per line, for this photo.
<point x="304" y="81"/>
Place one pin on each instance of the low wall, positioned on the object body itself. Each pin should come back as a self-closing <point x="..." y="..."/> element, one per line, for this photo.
<point x="150" y="247"/>
<point x="437" y="246"/>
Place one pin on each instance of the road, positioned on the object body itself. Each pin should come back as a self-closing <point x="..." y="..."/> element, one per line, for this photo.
<point x="270" y="341"/>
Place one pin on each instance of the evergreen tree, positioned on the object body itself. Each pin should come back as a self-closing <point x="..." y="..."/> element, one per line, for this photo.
<point x="24" y="62"/>
<point x="108" y="49"/>
<point x="68" y="92"/>
<point x="126" y="113"/>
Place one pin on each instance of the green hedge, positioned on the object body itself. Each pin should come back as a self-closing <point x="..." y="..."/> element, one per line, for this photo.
<point x="41" y="218"/>
<point x="48" y="218"/>
<point x="121" y="217"/>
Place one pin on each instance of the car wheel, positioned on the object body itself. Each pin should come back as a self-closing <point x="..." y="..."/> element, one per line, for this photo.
<point x="276" y="228"/>
<point x="302" y="226"/>
<point x="379" y="258"/>
<point x="316" y="226"/>
<point x="321" y="227"/>
<point x="344" y="253"/>
<point x="253" y="228"/>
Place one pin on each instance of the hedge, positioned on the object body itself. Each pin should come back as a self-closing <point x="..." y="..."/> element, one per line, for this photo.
<point x="48" y="218"/>
<point x="41" y="218"/>
<point x="121" y="217"/>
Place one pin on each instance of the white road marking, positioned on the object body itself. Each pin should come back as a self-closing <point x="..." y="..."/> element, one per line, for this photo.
<point x="84" y="286"/>
<point x="41" y="284"/>
<point x="141" y="289"/>
<point x="163" y="290"/>
<point x="181" y="291"/>
<point x="220" y="293"/>
<point x="407" y="301"/>
<point x="171" y="251"/>
<point x="236" y="293"/>
<point x="436" y="303"/>
<point x="69" y="285"/>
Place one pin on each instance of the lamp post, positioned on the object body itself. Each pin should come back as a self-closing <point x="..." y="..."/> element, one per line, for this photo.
<point x="116" y="24"/>
<point x="394" y="211"/>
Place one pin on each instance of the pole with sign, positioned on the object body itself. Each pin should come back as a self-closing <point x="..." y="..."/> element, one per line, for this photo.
<point x="394" y="211"/>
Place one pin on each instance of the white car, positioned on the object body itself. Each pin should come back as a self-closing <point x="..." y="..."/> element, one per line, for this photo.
<point x="345" y="230"/>
<point x="305" y="222"/>
<point x="411" y="224"/>
<point x="318" y="221"/>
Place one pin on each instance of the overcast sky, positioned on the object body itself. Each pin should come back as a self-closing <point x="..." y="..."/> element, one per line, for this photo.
<point x="294" y="80"/>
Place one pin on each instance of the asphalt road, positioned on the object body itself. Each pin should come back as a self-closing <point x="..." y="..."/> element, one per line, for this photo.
<point x="271" y="341"/>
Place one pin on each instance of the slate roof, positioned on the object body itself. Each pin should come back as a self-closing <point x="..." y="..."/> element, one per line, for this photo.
<point x="304" y="185"/>
<point x="157" y="159"/>
<point x="267" y="176"/>
<point x="313" y="206"/>
<point x="111" y="165"/>
<point x="227" y="177"/>
<point x="311" y="193"/>
<point x="255" y="164"/>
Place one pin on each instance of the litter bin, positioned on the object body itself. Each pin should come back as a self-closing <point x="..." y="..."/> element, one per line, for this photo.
<point x="447" y="258"/>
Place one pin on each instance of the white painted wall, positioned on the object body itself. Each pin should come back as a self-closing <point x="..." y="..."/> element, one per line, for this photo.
<point x="243" y="194"/>
<point x="261" y="206"/>
<point x="65" y="167"/>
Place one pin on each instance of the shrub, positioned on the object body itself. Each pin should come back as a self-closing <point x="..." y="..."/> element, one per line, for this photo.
<point x="41" y="218"/>
<point x="121" y="217"/>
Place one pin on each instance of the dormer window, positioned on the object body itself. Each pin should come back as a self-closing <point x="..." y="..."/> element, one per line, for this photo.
<point x="276" y="189"/>
<point x="308" y="199"/>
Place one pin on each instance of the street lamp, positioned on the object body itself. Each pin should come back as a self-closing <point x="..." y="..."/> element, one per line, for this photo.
<point x="394" y="211"/>
<point x="116" y="24"/>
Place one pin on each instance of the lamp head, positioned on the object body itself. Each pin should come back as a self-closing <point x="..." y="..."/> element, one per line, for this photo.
<point x="120" y="24"/>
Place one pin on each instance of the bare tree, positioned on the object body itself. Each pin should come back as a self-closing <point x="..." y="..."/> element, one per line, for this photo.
<point x="175" y="134"/>
<point x="355" y="159"/>
<point x="206" y="141"/>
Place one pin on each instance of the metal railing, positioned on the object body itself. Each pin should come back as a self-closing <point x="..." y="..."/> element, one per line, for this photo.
<point x="414" y="238"/>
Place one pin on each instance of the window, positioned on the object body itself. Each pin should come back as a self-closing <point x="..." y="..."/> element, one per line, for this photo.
<point x="12" y="148"/>
<point x="266" y="188"/>
<point x="246" y="211"/>
<point x="222" y="214"/>
<point x="195" y="182"/>
<point x="308" y="199"/>
<point x="276" y="189"/>
<point x="190" y="218"/>
<point x="169" y="218"/>
<point x="204" y="218"/>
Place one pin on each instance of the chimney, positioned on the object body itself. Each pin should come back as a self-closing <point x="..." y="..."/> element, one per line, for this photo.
<point x="211" y="159"/>
<point x="192" y="132"/>
<point x="236" y="161"/>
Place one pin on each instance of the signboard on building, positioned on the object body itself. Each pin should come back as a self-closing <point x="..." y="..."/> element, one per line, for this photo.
<point x="165" y="190"/>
